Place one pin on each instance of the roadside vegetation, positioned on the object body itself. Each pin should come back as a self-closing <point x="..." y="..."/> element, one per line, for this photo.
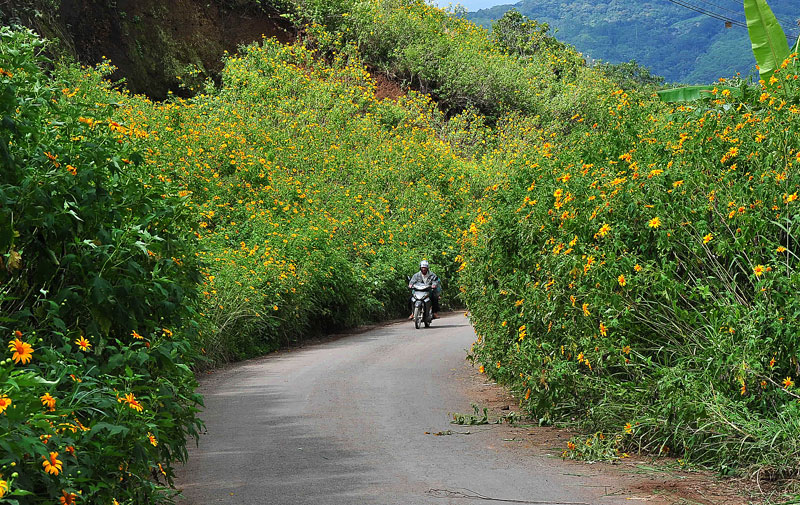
<point x="627" y="264"/>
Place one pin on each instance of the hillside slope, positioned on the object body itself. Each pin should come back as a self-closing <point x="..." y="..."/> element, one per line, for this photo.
<point x="157" y="46"/>
<point x="680" y="44"/>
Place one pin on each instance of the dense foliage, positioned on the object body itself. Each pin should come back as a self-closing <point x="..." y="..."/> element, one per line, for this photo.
<point x="672" y="41"/>
<point x="313" y="198"/>
<point x="96" y="289"/>
<point x="641" y="278"/>
<point x="453" y="60"/>
<point x="628" y="265"/>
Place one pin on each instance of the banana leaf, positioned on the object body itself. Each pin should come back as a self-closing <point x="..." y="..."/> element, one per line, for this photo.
<point x="692" y="93"/>
<point x="767" y="38"/>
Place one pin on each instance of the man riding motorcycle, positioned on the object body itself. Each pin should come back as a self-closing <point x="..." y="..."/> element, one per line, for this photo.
<point x="425" y="276"/>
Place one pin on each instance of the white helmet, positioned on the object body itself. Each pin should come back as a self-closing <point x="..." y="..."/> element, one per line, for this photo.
<point x="423" y="264"/>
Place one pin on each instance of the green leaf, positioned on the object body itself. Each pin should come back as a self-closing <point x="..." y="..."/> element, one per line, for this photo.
<point x="115" y="361"/>
<point x="767" y="38"/>
<point x="691" y="93"/>
<point x="113" y="429"/>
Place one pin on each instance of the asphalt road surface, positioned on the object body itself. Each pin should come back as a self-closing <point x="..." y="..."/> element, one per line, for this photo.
<point x="352" y="421"/>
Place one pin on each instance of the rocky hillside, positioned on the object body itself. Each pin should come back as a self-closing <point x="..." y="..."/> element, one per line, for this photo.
<point x="158" y="45"/>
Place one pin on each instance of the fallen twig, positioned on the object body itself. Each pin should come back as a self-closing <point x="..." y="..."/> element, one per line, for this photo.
<point x="447" y="493"/>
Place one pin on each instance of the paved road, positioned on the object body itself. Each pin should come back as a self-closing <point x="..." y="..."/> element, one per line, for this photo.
<point x="345" y="422"/>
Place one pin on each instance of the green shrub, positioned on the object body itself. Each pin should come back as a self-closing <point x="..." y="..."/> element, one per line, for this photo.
<point x="313" y="199"/>
<point x="639" y="272"/>
<point x="97" y="284"/>
<point x="453" y="60"/>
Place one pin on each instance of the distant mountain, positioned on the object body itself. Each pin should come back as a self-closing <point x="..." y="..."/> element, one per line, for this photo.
<point x="676" y="42"/>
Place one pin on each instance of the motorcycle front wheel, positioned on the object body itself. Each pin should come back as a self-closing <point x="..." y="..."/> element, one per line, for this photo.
<point x="417" y="317"/>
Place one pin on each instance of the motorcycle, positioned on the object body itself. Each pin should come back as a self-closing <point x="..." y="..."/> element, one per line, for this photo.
<point x="422" y="304"/>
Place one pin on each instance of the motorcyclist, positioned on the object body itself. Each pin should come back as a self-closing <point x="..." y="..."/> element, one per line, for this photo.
<point x="425" y="276"/>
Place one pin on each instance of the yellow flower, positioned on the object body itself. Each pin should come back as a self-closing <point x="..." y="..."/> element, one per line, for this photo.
<point x="626" y="349"/>
<point x="136" y="335"/>
<point x="637" y="267"/>
<point x="732" y="153"/>
<point x="759" y="270"/>
<point x="603" y="231"/>
<point x="621" y="280"/>
<point x="23" y="351"/>
<point x="48" y="401"/>
<point x="152" y="439"/>
<point x="83" y="343"/>
<point x="67" y="498"/>
<point x="52" y="465"/>
<point x="654" y="223"/>
<point x="603" y="329"/>
<point x="130" y="399"/>
<point x="628" y="428"/>
<point x="586" y="309"/>
<point x="3" y="487"/>
<point x="481" y="369"/>
<point x="788" y="382"/>
<point x="708" y="238"/>
<point x="5" y="402"/>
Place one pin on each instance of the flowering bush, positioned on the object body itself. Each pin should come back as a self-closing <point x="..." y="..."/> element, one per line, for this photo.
<point x="457" y="62"/>
<point x="627" y="266"/>
<point x="97" y="285"/>
<point x="638" y="276"/>
<point x="313" y="199"/>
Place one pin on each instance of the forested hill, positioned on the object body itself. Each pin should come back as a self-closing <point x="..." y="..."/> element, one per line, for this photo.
<point x="673" y="41"/>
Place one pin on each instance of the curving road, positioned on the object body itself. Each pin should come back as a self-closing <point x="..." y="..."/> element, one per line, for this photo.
<point x="345" y="422"/>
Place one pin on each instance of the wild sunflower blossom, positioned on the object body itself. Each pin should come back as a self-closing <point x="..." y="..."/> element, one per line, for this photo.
<point x="67" y="498"/>
<point x="48" y="401"/>
<point x="22" y="351"/>
<point x="654" y="223"/>
<point x="603" y="231"/>
<point x="3" y="486"/>
<point x="52" y="464"/>
<point x="84" y="344"/>
<point x="788" y="382"/>
<point x="132" y="402"/>
<point x="759" y="270"/>
<point x="5" y="402"/>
